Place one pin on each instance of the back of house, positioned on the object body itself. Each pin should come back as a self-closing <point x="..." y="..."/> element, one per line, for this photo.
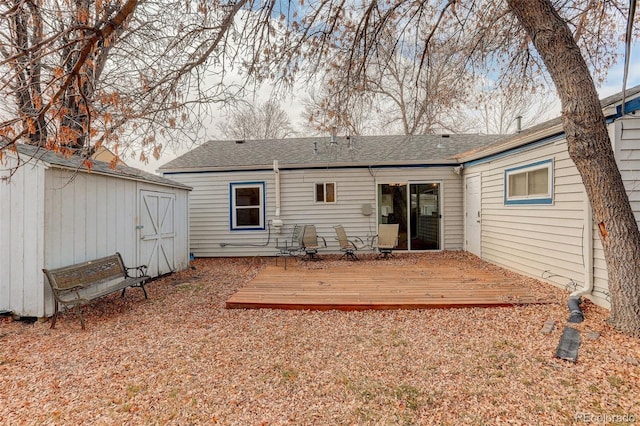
<point x="516" y="200"/>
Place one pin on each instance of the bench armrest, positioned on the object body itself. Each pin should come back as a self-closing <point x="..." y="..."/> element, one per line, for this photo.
<point x="141" y="271"/>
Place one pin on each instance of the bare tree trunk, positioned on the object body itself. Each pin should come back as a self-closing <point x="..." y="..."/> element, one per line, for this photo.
<point x="26" y="23"/>
<point x="592" y="153"/>
<point x="80" y="96"/>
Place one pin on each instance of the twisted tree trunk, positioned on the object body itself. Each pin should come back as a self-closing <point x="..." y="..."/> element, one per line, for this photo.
<point x="591" y="151"/>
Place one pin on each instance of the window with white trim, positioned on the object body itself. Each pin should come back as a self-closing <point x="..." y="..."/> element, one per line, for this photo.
<point x="325" y="192"/>
<point x="530" y="184"/>
<point x="247" y="205"/>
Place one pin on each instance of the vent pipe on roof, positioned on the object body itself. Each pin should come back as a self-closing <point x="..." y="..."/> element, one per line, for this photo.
<point x="439" y="145"/>
<point x="333" y="136"/>
<point x="519" y="124"/>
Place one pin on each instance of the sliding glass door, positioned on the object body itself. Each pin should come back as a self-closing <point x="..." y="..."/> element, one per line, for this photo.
<point x="392" y="208"/>
<point x="415" y="207"/>
<point x="425" y="216"/>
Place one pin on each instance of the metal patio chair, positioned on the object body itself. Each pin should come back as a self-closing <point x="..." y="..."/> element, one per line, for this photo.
<point x="290" y="247"/>
<point x="311" y="243"/>
<point x="348" y="246"/>
<point x="387" y="239"/>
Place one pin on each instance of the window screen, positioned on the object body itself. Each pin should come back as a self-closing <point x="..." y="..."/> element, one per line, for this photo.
<point x="531" y="184"/>
<point x="247" y="205"/>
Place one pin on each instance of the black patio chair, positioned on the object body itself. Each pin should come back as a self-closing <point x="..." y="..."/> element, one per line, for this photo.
<point x="290" y="247"/>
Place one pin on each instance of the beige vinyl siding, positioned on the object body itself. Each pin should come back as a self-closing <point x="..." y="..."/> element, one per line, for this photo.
<point x="543" y="241"/>
<point x="451" y="194"/>
<point x="354" y="187"/>
<point x="628" y="158"/>
<point x="209" y="206"/>
<point x="209" y="214"/>
<point x="210" y="209"/>
<point x="549" y="242"/>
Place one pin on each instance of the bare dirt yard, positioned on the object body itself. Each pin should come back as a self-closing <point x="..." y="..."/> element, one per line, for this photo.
<point x="181" y="358"/>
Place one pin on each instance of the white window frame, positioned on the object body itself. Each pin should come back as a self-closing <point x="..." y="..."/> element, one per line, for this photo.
<point x="530" y="199"/>
<point x="233" y="207"/>
<point x="324" y="192"/>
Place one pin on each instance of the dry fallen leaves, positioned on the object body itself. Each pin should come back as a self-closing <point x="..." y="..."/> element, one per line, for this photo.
<point x="181" y="358"/>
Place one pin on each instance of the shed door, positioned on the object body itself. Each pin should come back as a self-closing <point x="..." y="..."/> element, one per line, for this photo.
<point x="157" y="235"/>
<point x="473" y="214"/>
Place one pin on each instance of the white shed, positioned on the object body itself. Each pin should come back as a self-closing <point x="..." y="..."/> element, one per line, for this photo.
<point x="56" y="213"/>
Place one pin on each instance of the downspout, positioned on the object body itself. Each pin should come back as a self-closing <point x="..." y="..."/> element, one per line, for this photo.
<point x="276" y="223"/>
<point x="575" y="300"/>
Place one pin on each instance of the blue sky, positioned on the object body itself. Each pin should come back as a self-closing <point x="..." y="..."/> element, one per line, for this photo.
<point x="613" y="84"/>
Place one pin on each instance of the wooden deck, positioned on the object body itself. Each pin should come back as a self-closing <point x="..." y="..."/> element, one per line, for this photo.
<point x="381" y="284"/>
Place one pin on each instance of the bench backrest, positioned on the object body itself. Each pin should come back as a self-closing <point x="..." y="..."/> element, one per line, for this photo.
<point x="85" y="273"/>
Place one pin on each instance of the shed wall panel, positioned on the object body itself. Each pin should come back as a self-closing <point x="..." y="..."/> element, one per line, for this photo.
<point x="75" y="235"/>
<point x="21" y="239"/>
<point x="79" y="232"/>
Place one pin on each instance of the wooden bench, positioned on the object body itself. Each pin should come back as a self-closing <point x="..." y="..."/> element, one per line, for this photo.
<point x="67" y="282"/>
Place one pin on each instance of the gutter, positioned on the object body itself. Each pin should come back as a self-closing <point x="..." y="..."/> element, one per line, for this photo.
<point x="309" y="166"/>
<point x="512" y="143"/>
<point x="276" y="223"/>
<point x="587" y="253"/>
<point x="575" y="298"/>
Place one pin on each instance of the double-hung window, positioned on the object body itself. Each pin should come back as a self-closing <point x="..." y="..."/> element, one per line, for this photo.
<point x="247" y="201"/>
<point x="325" y="192"/>
<point x="530" y="184"/>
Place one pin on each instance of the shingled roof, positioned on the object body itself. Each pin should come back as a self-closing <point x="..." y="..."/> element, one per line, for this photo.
<point x="322" y="152"/>
<point x="225" y="155"/>
<point x="29" y="153"/>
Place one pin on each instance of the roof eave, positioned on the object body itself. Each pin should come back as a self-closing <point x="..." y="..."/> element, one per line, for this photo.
<point x="122" y="176"/>
<point x="332" y="165"/>
<point x="28" y="158"/>
<point x="513" y="143"/>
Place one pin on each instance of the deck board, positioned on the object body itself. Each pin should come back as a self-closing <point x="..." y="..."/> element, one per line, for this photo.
<point x="383" y="285"/>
